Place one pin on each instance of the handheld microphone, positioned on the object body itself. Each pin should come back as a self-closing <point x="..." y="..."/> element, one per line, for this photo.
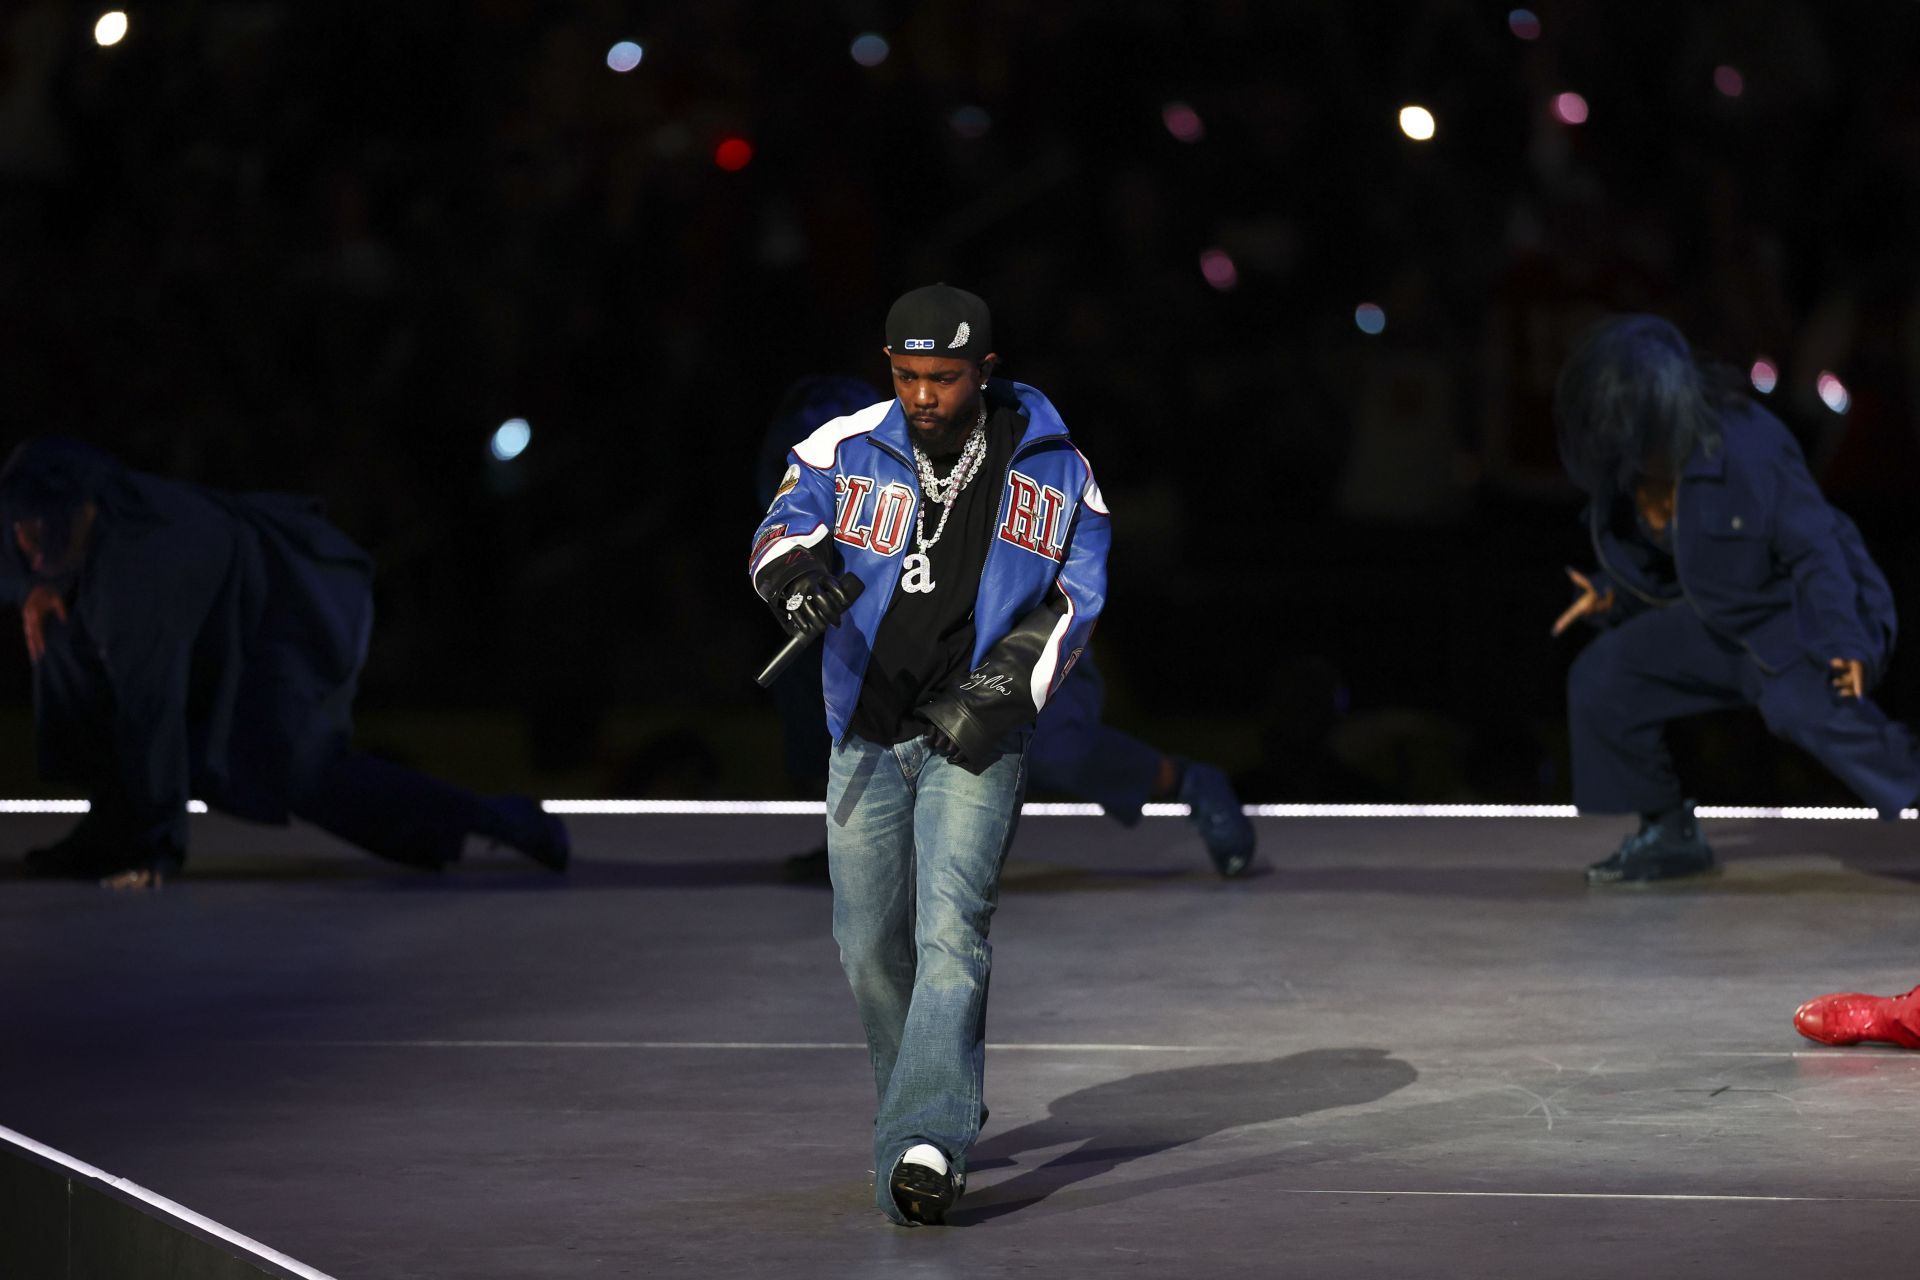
<point x="795" y="645"/>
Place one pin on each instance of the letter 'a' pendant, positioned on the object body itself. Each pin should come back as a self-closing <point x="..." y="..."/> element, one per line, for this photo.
<point x="918" y="577"/>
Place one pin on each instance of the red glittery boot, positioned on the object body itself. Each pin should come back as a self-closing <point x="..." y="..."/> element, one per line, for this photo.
<point x="1849" y="1018"/>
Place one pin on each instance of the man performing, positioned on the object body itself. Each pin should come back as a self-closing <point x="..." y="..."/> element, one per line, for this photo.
<point x="1725" y="580"/>
<point x="981" y="539"/>
<point x="1073" y="749"/>
<point x="187" y="642"/>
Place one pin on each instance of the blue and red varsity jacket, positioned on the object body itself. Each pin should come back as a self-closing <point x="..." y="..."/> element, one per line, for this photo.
<point x="848" y="503"/>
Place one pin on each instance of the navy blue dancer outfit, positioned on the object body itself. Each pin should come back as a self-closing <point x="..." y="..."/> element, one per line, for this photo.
<point x="1747" y="597"/>
<point x="211" y="647"/>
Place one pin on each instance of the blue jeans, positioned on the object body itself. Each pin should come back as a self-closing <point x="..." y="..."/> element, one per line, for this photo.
<point x="915" y="845"/>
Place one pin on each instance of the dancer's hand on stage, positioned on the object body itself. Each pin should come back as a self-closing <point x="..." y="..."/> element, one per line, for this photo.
<point x="40" y="602"/>
<point x="1849" y="677"/>
<point x="1590" y="603"/>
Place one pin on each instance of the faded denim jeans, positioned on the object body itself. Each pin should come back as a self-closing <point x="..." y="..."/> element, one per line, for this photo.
<point x="915" y="845"/>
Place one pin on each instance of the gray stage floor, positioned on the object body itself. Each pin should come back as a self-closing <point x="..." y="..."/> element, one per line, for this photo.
<point x="1412" y="1048"/>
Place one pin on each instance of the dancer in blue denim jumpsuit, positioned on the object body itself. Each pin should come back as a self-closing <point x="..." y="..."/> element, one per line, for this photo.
<point x="189" y="642"/>
<point x="1725" y="580"/>
<point x="980" y="538"/>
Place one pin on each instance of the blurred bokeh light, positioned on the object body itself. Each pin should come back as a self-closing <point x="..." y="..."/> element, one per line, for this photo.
<point x="1217" y="266"/>
<point x="111" y="29"/>
<point x="1416" y="122"/>
<point x="1570" y="108"/>
<point x="1833" y="392"/>
<point x="970" y="122"/>
<point x="625" y="56"/>
<point x="1183" y="122"/>
<point x="510" y="439"/>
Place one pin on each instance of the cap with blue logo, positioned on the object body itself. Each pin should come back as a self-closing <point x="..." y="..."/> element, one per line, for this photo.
<point x="940" y="320"/>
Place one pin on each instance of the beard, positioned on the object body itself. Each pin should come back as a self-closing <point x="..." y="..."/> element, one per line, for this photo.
<point x="942" y="436"/>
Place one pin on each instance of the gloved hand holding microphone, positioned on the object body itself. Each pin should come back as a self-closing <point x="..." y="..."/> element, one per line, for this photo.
<point x="806" y="607"/>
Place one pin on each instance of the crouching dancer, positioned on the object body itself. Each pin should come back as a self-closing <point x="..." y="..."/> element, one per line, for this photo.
<point x="1725" y="580"/>
<point x="980" y="539"/>
<point x="191" y="642"/>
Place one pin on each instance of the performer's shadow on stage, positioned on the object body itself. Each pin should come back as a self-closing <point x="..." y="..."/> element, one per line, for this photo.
<point x="1143" y="1115"/>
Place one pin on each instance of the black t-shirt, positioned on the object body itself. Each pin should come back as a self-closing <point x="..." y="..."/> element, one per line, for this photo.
<point x="926" y="639"/>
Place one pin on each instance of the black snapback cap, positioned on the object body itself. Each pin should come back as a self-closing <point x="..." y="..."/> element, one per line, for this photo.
<point x="940" y="320"/>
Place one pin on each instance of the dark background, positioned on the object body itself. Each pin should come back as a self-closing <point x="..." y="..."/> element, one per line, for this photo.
<point x="331" y="246"/>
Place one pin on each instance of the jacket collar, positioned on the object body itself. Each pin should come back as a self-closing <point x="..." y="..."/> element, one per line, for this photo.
<point x="891" y="434"/>
<point x="1043" y="420"/>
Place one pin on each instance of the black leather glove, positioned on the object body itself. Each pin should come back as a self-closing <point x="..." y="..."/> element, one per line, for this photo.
<point x="810" y="603"/>
<point x="942" y="745"/>
<point x="971" y="717"/>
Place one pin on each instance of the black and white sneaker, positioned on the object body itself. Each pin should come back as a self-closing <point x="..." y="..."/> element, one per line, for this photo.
<point x="923" y="1185"/>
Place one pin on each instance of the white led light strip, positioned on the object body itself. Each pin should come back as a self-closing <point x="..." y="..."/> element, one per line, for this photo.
<point x="71" y="806"/>
<point x="43" y="806"/>
<point x="815" y="808"/>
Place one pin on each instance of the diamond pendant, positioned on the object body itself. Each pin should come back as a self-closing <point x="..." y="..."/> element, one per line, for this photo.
<point x="918" y="573"/>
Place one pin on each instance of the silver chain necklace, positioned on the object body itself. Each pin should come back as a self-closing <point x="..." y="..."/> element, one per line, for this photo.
<point x="917" y="569"/>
